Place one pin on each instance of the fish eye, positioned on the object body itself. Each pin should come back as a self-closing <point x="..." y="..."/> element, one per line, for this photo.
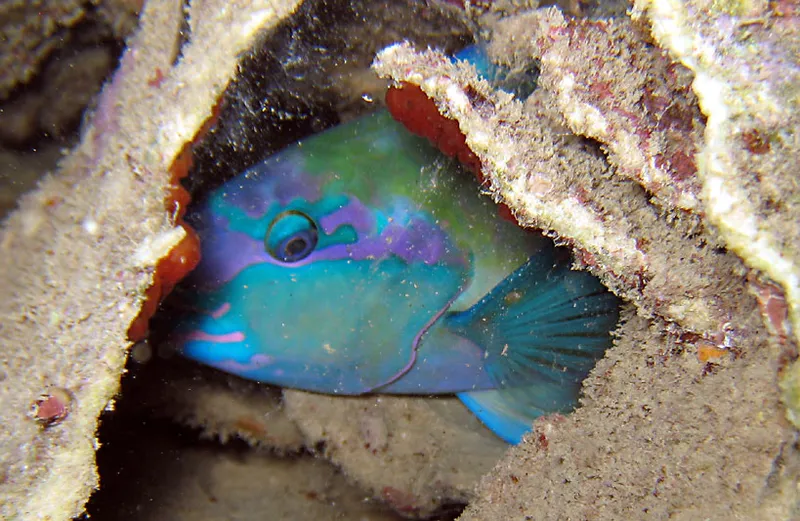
<point x="291" y="237"/>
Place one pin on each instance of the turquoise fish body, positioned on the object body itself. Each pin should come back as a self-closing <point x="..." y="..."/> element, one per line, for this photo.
<point x="362" y="261"/>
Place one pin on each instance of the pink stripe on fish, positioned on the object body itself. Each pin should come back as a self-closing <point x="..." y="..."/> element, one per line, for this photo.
<point x="228" y="338"/>
<point x="221" y="311"/>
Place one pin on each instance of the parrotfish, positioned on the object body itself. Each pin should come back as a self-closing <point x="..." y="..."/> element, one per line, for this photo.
<point x="361" y="260"/>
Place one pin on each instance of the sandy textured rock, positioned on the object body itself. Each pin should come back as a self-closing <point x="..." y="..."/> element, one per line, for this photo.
<point x="747" y="76"/>
<point x="416" y="454"/>
<point x="661" y="436"/>
<point x="180" y="481"/>
<point x="667" y="408"/>
<point x="78" y="253"/>
<point x="32" y="31"/>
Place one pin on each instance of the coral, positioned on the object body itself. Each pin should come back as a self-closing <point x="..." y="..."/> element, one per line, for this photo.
<point x="750" y="94"/>
<point x="225" y="409"/>
<point x="605" y="80"/>
<point x="685" y="207"/>
<point x="635" y="101"/>
<point x="610" y="221"/>
<point x="79" y="252"/>
<point x="184" y="256"/>
<point x="659" y="437"/>
<point x="747" y="76"/>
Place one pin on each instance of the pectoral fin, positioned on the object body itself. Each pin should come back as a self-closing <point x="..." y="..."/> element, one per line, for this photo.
<point x="543" y="328"/>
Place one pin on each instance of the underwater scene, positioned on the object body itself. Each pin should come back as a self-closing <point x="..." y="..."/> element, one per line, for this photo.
<point x="399" y="259"/>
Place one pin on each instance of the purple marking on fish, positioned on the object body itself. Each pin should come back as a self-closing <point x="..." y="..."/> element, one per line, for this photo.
<point x="219" y="266"/>
<point x="416" y="241"/>
<point x="419" y="242"/>
<point x="257" y="192"/>
<point x="410" y="238"/>
<point x="355" y="214"/>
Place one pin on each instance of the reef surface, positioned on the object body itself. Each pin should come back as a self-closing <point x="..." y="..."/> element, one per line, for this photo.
<point x="662" y="148"/>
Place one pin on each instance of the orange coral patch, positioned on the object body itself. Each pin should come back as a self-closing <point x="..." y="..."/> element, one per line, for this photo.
<point x="707" y="351"/>
<point x="409" y="105"/>
<point x="185" y="256"/>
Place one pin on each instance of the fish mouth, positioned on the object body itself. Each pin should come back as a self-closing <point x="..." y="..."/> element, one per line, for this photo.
<point x="255" y="363"/>
<point x="201" y="346"/>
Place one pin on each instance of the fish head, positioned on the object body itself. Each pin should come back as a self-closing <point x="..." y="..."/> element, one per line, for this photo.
<point x="304" y="284"/>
